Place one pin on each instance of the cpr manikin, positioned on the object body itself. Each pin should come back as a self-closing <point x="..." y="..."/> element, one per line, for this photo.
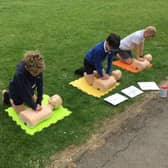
<point x="32" y="117"/>
<point x="104" y="85"/>
<point x="145" y="63"/>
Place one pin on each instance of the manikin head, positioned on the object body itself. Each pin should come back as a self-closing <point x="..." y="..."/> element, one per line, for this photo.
<point x="55" y="101"/>
<point x="148" y="57"/>
<point x="117" y="74"/>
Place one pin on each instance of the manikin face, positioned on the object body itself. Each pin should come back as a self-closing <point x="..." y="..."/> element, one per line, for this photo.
<point x="117" y="74"/>
<point x="52" y="99"/>
<point x="55" y="101"/>
<point x="148" y="57"/>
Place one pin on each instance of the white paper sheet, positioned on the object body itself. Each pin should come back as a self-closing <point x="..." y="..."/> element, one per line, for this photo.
<point x="148" y="85"/>
<point x="132" y="91"/>
<point x="115" y="99"/>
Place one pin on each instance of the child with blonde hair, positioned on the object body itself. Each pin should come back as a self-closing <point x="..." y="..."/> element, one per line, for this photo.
<point x="135" y="41"/>
<point x="27" y="80"/>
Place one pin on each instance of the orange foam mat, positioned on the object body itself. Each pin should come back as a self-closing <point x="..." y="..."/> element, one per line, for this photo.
<point x="126" y="66"/>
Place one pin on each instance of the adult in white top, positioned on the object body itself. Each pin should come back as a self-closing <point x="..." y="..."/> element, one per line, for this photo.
<point x="135" y="41"/>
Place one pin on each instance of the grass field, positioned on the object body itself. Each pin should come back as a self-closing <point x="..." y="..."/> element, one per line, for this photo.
<point x="63" y="31"/>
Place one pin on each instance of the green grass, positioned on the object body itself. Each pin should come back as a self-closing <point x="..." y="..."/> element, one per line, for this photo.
<point x="63" y="31"/>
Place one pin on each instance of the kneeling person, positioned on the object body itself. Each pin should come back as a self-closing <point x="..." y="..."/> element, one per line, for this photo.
<point x="27" y="79"/>
<point x="95" y="57"/>
<point x="135" y="41"/>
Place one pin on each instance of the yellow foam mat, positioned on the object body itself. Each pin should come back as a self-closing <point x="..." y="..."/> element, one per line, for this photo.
<point x="82" y="84"/>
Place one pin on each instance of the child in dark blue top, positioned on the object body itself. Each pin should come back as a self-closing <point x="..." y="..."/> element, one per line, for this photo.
<point x="95" y="57"/>
<point x="27" y="79"/>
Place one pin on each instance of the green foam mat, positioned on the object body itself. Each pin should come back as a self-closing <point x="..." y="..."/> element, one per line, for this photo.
<point x="58" y="114"/>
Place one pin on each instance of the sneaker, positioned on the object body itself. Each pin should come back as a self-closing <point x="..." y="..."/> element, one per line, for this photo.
<point x="5" y="97"/>
<point x="79" y="71"/>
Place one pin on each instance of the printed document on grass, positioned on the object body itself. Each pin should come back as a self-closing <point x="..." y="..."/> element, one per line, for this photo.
<point x="148" y="85"/>
<point x="132" y="91"/>
<point x="115" y="99"/>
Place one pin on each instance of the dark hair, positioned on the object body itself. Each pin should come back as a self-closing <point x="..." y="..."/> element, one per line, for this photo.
<point x="113" y="40"/>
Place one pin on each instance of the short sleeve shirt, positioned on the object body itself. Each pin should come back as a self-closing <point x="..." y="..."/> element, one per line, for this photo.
<point x="129" y="42"/>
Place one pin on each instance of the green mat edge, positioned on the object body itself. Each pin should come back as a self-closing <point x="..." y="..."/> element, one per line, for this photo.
<point x="41" y="125"/>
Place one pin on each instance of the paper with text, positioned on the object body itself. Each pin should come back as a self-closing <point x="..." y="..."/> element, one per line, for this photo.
<point x="132" y="91"/>
<point x="148" y="85"/>
<point x="115" y="99"/>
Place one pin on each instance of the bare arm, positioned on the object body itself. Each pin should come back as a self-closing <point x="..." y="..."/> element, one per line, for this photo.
<point x="139" y="48"/>
<point x="142" y="48"/>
